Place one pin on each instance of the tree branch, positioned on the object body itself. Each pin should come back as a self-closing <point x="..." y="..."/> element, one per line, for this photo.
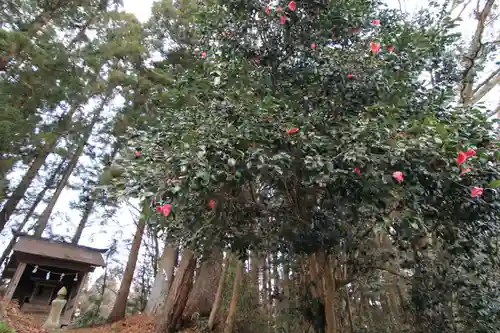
<point x="475" y="47"/>
<point x="491" y="82"/>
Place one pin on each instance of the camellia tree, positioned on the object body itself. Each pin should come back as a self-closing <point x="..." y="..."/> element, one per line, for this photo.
<point x="317" y="129"/>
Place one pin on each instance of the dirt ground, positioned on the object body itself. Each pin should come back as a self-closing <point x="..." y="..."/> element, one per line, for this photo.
<point x="23" y="323"/>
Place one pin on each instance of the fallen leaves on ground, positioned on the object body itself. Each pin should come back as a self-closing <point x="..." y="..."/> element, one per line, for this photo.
<point x="133" y="324"/>
<point x="21" y="322"/>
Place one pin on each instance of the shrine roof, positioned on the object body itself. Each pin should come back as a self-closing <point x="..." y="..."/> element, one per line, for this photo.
<point x="47" y="248"/>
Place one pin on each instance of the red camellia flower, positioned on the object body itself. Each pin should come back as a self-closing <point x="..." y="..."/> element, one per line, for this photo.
<point x="313" y="45"/>
<point x="461" y="157"/>
<point x="350" y="76"/>
<point x="283" y="19"/>
<point x="375" y="47"/>
<point x="292" y="5"/>
<point x="476" y="192"/>
<point x="166" y="209"/>
<point x="158" y="209"/>
<point x="376" y="22"/>
<point x="137" y="153"/>
<point x="267" y="10"/>
<point x="293" y="130"/>
<point x="357" y="171"/>
<point x="398" y="175"/>
<point x="211" y="204"/>
<point x="390" y="48"/>
<point x="203" y="54"/>
<point x="464" y="171"/>
<point x="471" y="152"/>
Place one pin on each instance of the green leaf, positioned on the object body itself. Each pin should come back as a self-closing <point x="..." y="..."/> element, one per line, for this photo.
<point x="494" y="183"/>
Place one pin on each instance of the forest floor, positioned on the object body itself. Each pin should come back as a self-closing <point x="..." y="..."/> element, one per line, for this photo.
<point x="23" y="323"/>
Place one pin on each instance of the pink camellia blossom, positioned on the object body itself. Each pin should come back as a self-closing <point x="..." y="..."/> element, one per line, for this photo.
<point x="398" y="175"/>
<point x="166" y="209"/>
<point x="390" y="48"/>
<point x="292" y="5"/>
<point x="464" y="171"/>
<point x="375" y="47"/>
<point x="137" y="154"/>
<point x="313" y="46"/>
<point x="279" y="9"/>
<point x="268" y="10"/>
<point x="158" y="209"/>
<point x="376" y="22"/>
<point x="350" y="76"/>
<point x="211" y="204"/>
<point x="357" y="171"/>
<point x="282" y="19"/>
<point x="471" y="152"/>
<point x="203" y="54"/>
<point x="476" y="192"/>
<point x="292" y="130"/>
<point x="461" y="157"/>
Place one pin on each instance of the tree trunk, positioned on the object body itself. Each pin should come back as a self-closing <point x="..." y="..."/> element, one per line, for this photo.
<point x="167" y="321"/>
<point x="228" y="328"/>
<point x="218" y="296"/>
<point x="89" y="206"/>
<point x="20" y="191"/>
<point x="202" y="296"/>
<point x="118" y="311"/>
<point x="44" y="217"/>
<point x="39" y="197"/>
<point x="163" y="279"/>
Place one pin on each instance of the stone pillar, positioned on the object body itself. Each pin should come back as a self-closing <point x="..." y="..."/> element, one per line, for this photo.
<point x="54" y="318"/>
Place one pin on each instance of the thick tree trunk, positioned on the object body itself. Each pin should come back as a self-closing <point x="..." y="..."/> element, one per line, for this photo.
<point x="118" y="311"/>
<point x="228" y="328"/>
<point x="169" y="318"/>
<point x="20" y="191"/>
<point x="44" y="217"/>
<point x="163" y="279"/>
<point x="218" y="296"/>
<point x="202" y="296"/>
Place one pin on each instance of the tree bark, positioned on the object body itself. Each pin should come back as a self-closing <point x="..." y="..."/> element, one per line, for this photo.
<point x="169" y="318"/>
<point x="20" y="191"/>
<point x="202" y="296"/>
<point x="118" y="311"/>
<point x="218" y="295"/>
<point x="228" y="328"/>
<point x="163" y="279"/>
<point x="44" y="217"/>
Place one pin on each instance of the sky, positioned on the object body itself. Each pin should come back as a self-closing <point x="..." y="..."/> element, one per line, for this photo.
<point x="101" y="236"/>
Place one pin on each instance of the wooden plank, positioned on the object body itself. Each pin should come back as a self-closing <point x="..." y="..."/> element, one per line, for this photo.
<point x="34" y="260"/>
<point x="14" y="282"/>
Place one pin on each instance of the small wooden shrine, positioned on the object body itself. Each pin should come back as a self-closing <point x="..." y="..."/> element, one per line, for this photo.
<point x="39" y="268"/>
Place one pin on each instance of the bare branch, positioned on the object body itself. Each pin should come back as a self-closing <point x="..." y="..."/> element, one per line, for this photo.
<point x="486" y="81"/>
<point x="466" y="91"/>
<point x="486" y="87"/>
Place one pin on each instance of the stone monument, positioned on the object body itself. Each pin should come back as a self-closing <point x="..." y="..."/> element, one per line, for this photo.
<point x="53" y="320"/>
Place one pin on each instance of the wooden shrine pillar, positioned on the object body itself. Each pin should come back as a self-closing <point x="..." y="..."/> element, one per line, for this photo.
<point x="14" y="282"/>
<point x="11" y="288"/>
<point x="73" y="299"/>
